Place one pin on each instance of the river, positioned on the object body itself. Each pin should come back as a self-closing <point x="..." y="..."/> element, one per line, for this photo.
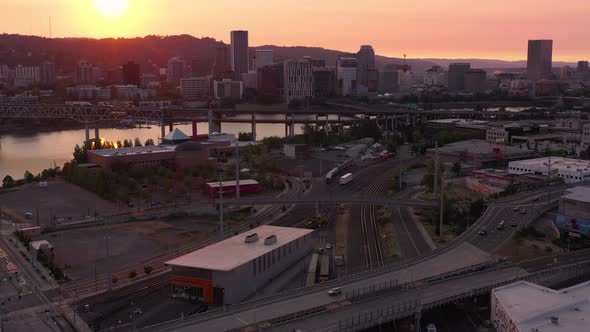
<point x="35" y="152"/>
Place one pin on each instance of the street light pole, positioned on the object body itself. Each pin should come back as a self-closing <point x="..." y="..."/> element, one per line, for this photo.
<point x="237" y="171"/>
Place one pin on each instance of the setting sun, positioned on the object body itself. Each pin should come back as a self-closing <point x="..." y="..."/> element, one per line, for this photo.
<point x="111" y="8"/>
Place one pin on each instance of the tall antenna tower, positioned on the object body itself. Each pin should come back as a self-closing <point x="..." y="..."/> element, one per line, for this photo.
<point x="404" y="65"/>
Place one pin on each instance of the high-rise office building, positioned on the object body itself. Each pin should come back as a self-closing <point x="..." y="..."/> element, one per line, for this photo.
<point x="239" y="53"/>
<point x="346" y="71"/>
<point x="539" y="59"/>
<point x="85" y="73"/>
<point x="270" y="82"/>
<point x="47" y="72"/>
<point x="194" y="87"/>
<point x="457" y="76"/>
<point x="298" y="76"/>
<point x="175" y="71"/>
<point x="131" y="73"/>
<point x="583" y="66"/>
<point x="263" y="57"/>
<point x="366" y="64"/>
<point x="389" y="79"/>
<point x="227" y="88"/>
<point x="222" y="65"/>
<point x="475" y="81"/>
<point x="435" y="76"/>
<point x="324" y="82"/>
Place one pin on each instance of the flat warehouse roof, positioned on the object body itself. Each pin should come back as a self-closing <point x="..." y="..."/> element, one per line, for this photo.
<point x="557" y="163"/>
<point x="581" y="194"/>
<point x="230" y="253"/>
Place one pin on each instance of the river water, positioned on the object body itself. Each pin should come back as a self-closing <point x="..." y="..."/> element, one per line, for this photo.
<point x="35" y="152"/>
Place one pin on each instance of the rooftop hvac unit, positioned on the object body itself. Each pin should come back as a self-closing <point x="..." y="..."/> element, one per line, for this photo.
<point x="252" y="238"/>
<point x="270" y="240"/>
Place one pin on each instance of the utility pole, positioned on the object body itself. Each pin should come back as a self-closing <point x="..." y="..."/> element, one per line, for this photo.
<point x="549" y="180"/>
<point x="440" y="221"/>
<point x="109" y="274"/>
<point x="237" y="171"/>
<point x="435" y="185"/>
<point x="220" y="204"/>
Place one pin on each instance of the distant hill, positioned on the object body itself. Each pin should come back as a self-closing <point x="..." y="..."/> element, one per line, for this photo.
<point x="490" y="63"/>
<point x="154" y="52"/>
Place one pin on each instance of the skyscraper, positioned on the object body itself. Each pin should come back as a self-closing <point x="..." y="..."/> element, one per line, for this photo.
<point x="582" y="66"/>
<point x="222" y="64"/>
<point x="457" y="73"/>
<point x="539" y="59"/>
<point x="131" y="73"/>
<point x="239" y="53"/>
<point x="366" y="63"/>
<point x="175" y="71"/>
<point x="263" y="57"/>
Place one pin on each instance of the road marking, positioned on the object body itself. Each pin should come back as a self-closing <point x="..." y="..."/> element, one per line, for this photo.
<point x="241" y="320"/>
<point x="407" y="231"/>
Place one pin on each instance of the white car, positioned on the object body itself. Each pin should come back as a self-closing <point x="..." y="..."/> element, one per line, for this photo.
<point x="335" y="291"/>
<point x="328" y="246"/>
<point x="431" y="328"/>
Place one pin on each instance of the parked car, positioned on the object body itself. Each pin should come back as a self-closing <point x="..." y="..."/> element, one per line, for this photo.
<point x="335" y="291"/>
<point x="483" y="232"/>
<point x="328" y="246"/>
<point x="515" y="209"/>
<point x="523" y="211"/>
<point x="500" y="225"/>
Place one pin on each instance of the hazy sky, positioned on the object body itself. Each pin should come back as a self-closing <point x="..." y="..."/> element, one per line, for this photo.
<point x="419" y="28"/>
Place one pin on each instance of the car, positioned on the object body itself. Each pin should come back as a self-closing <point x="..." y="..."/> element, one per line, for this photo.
<point x="523" y="211"/>
<point x="513" y="224"/>
<point x="335" y="291"/>
<point x="483" y="232"/>
<point x="431" y="328"/>
<point x="328" y="246"/>
<point x="515" y="209"/>
<point x="535" y="199"/>
<point x="500" y="225"/>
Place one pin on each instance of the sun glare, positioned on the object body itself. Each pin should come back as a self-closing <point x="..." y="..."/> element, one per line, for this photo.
<point x="111" y="8"/>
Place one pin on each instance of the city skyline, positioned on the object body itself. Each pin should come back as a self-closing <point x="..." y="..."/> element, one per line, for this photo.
<point x="431" y="30"/>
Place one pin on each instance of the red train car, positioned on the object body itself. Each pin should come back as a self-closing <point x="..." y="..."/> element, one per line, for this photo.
<point x="229" y="187"/>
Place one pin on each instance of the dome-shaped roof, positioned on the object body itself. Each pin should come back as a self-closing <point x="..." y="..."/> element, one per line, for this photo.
<point x="189" y="146"/>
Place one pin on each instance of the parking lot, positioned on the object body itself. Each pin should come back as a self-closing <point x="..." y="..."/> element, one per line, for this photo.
<point x="58" y="201"/>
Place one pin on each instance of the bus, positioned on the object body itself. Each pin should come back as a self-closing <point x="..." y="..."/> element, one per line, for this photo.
<point x="346" y="178"/>
<point x="325" y="268"/>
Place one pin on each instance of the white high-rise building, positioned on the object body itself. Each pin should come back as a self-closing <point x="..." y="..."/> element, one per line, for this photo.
<point x="346" y="72"/>
<point x="263" y="57"/>
<point x="28" y="72"/>
<point x="298" y="76"/>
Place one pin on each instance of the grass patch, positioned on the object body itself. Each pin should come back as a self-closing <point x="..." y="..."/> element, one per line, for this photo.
<point x="391" y="246"/>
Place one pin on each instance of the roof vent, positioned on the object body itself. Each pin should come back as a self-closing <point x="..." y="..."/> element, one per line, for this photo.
<point x="555" y="320"/>
<point x="271" y="239"/>
<point x="252" y="238"/>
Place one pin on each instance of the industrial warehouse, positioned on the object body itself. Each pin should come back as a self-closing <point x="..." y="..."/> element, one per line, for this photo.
<point x="229" y="271"/>
<point x="568" y="169"/>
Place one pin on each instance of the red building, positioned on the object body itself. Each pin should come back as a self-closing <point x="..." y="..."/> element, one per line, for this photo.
<point x="229" y="187"/>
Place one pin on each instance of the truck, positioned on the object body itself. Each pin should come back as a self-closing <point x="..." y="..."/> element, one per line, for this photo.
<point x="346" y="178"/>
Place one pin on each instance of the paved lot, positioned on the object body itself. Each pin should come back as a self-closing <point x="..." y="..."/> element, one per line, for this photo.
<point x="59" y="199"/>
<point x="83" y="250"/>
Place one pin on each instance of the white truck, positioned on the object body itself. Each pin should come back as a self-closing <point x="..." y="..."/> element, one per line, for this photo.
<point x="346" y="178"/>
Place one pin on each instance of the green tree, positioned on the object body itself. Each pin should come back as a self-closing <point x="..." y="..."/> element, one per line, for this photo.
<point x="29" y="177"/>
<point x="149" y="142"/>
<point x="137" y="142"/>
<point x="245" y="137"/>
<point x="127" y="143"/>
<point x="80" y="154"/>
<point x="8" y="182"/>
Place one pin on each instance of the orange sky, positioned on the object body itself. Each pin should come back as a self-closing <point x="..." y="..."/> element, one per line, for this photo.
<point x="420" y="28"/>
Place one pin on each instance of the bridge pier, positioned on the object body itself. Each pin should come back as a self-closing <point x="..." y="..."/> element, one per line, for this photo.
<point x="340" y="126"/>
<point x="87" y="131"/>
<point x="163" y="130"/>
<point x="418" y="317"/>
<point x="254" y="127"/>
<point x="96" y="134"/>
<point x="171" y="126"/>
<point x="286" y="125"/>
